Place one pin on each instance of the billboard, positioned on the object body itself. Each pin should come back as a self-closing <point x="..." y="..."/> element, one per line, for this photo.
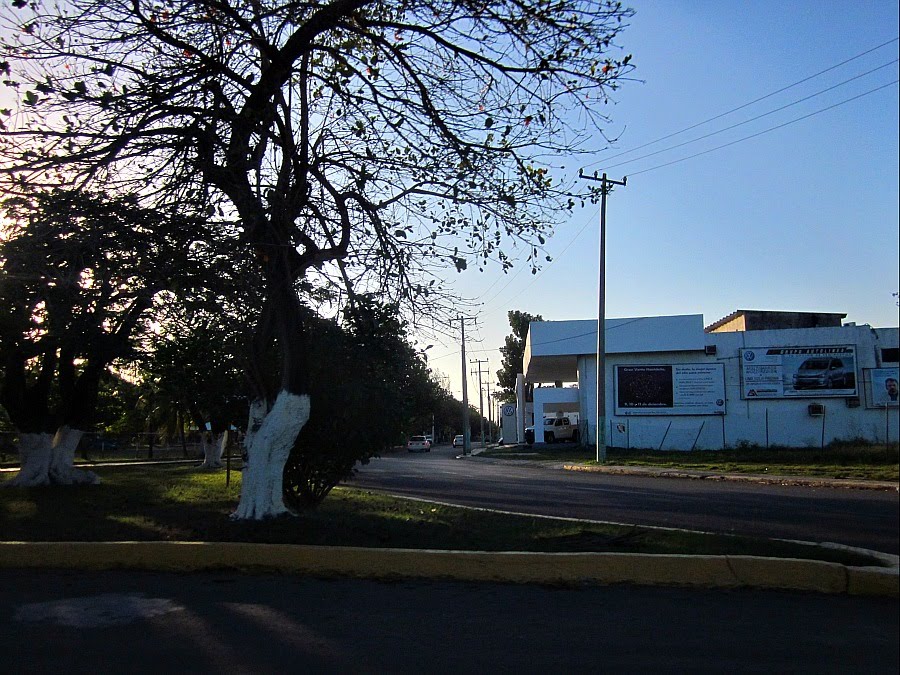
<point x="883" y="387"/>
<point x="677" y="389"/>
<point x="795" y="372"/>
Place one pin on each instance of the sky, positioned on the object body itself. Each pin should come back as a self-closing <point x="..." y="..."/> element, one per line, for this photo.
<point x="798" y="218"/>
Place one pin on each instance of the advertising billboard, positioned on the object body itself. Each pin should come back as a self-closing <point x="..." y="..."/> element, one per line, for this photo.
<point x="677" y="389"/>
<point x="883" y="387"/>
<point x="795" y="372"/>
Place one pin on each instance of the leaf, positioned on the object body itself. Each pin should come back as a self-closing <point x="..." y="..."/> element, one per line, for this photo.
<point x="489" y="122"/>
<point x="80" y="87"/>
<point x="460" y="263"/>
<point x="400" y="234"/>
<point x="31" y="98"/>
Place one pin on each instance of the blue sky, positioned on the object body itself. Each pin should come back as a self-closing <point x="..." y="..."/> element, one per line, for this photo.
<point x="804" y="217"/>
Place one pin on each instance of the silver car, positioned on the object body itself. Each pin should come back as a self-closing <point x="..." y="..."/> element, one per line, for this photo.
<point x="824" y="372"/>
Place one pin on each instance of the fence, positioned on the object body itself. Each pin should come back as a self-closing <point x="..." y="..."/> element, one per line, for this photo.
<point x="95" y="446"/>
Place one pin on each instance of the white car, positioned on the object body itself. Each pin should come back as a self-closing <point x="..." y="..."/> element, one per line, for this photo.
<point x="418" y="444"/>
<point x="458" y="441"/>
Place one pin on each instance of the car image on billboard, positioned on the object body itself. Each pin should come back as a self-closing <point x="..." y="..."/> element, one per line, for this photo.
<point x="823" y="373"/>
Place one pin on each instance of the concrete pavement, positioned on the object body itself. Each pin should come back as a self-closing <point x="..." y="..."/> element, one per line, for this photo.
<point x="147" y="622"/>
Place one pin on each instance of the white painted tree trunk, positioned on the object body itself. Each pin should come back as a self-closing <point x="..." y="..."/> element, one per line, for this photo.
<point x="205" y="444"/>
<point x="213" y="451"/>
<point x="35" y="453"/>
<point x="269" y="440"/>
<point x="50" y="460"/>
<point x="62" y="462"/>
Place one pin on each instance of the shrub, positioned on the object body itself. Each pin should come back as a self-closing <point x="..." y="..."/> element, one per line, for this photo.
<point x="366" y="380"/>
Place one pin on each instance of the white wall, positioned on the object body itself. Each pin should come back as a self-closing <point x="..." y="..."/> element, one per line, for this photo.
<point x="786" y="421"/>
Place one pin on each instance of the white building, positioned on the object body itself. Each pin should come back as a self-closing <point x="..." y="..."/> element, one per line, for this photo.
<point x="672" y="384"/>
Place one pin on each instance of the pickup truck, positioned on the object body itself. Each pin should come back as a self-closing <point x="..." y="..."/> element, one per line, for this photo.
<point x="559" y="429"/>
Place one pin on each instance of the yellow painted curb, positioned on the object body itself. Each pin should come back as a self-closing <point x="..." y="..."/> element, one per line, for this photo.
<point x="512" y="567"/>
<point x="873" y="581"/>
<point x="808" y="575"/>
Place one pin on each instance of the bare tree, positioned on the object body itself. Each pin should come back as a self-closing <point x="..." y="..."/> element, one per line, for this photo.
<point x="360" y="143"/>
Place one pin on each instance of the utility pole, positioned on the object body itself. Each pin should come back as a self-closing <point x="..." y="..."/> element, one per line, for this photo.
<point x="490" y="407"/>
<point x="480" y="395"/>
<point x="605" y="188"/>
<point x="467" y="436"/>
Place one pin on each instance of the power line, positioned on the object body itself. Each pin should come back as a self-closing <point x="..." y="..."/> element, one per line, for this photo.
<point x="511" y="279"/>
<point x="765" y="131"/>
<point x="497" y="280"/>
<point x="550" y="264"/>
<point x="745" y="105"/>
<point x="753" y="119"/>
<point x="725" y="145"/>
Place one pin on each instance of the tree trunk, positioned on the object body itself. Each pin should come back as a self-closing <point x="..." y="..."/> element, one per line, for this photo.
<point x="269" y="440"/>
<point x="62" y="462"/>
<point x="35" y="453"/>
<point x="205" y="442"/>
<point x="213" y="451"/>
<point x="50" y="460"/>
<point x="180" y="417"/>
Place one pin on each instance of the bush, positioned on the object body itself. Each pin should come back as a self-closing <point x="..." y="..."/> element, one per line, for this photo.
<point x="366" y="380"/>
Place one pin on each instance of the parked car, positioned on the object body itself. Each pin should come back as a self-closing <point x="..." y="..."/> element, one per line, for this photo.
<point x="418" y="444"/>
<point x="458" y="441"/>
<point x="823" y="372"/>
<point x="529" y="435"/>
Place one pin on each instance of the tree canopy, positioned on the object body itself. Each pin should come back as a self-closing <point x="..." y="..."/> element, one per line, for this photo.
<point x="358" y="144"/>
<point x="513" y="352"/>
<point x="80" y="270"/>
<point x="386" y="135"/>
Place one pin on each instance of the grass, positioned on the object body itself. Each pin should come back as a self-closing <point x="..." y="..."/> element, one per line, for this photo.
<point x="178" y="503"/>
<point x="839" y="460"/>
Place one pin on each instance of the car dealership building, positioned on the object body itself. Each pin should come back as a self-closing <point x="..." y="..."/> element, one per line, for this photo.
<point x="796" y="379"/>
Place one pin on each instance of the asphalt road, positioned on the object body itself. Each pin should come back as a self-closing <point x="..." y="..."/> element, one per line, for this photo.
<point x="132" y="622"/>
<point x="864" y="518"/>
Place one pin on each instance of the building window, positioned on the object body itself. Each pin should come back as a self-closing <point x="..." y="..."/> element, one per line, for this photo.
<point x="890" y="354"/>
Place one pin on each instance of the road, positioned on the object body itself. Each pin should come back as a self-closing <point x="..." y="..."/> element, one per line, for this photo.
<point x="145" y="622"/>
<point x="864" y="518"/>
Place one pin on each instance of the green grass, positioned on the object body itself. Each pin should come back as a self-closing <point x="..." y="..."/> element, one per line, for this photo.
<point x="177" y="503"/>
<point x="839" y="460"/>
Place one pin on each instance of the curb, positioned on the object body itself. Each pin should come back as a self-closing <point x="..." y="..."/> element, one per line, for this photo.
<point x="765" y="479"/>
<point x="653" y="472"/>
<point x="707" y="571"/>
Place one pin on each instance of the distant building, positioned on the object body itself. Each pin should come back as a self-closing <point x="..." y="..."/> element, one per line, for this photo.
<point x="792" y="379"/>
<point x="752" y="319"/>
